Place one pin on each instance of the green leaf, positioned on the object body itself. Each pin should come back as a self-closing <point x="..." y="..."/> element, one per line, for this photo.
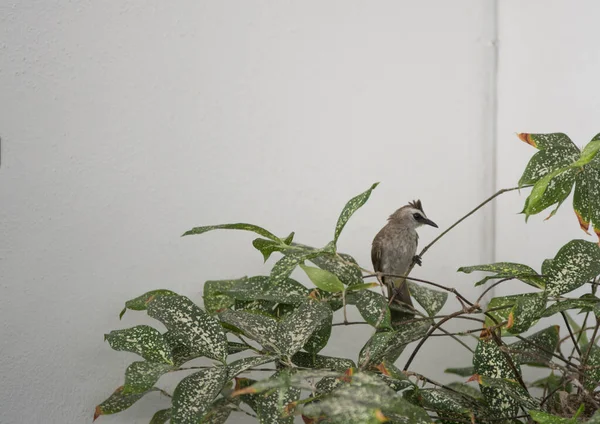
<point x="260" y="328"/>
<point x="584" y="303"/>
<point x="161" y="417"/>
<point x="214" y="295"/>
<point x="511" y="388"/>
<point x="536" y="349"/>
<point x="267" y="247"/>
<point x="593" y="363"/>
<point x="361" y="287"/>
<point x="489" y="360"/>
<point x="142" y="340"/>
<point x="467" y="390"/>
<point x="284" y="266"/>
<point x="270" y="408"/>
<point x="388" y="345"/>
<point x="240" y="226"/>
<point x="431" y="300"/>
<point x="117" y="402"/>
<point x="342" y="265"/>
<point x="193" y="327"/>
<point x="446" y="402"/>
<point x="521" y="311"/>
<point x="588" y="153"/>
<point x="141" y="376"/>
<point x="576" y="263"/>
<point x="140" y="302"/>
<point x="219" y="411"/>
<point x="507" y="270"/>
<point x="373" y="307"/>
<point x="552" y="189"/>
<point x="308" y="360"/>
<point x="352" y="206"/>
<point x="545" y="418"/>
<point x="323" y="279"/>
<point x="195" y="393"/>
<point x="586" y="200"/>
<point x="319" y="338"/>
<point x="287" y="291"/>
<point x="241" y="365"/>
<point x="463" y="372"/>
<point x="296" y="328"/>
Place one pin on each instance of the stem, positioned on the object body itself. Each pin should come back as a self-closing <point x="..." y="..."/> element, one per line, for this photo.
<point x="492" y="286"/>
<point x="571" y="332"/>
<point x="589" y="348"/>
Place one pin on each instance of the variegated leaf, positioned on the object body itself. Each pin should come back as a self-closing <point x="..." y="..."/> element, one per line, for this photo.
<point x="141" y="376"/>
<point x="194" y="395"/>
<point x="506" y="270"/>
<point x="117" y="402"/>
<point x="161" y="417"/>
<point x="140" y="303"/>
<point x="431" y="300"/>
<point x="296" y="328"/>
<point x="241" y="226"/>
<point x="352" y="206"/>
<point x="576" y="263"/>
<point x="244" y="364"/>
<point x="373" y="307"/>
<point x="143" y="340"/>
<point x="536" y="349"/>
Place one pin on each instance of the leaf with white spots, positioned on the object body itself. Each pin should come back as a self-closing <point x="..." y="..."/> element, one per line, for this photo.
<point x="594" y="366"/>
<point x="463" y="372"/>
<point x="270" y="408"/>
<point x="261" y="328"/>
<point x="352" y="206"/>
<point x="284" y="266"/>
<point x="583" y="303"/>
<point x="511" y="388"/>
<point x="552" y="189"/>
<point x="431" y="300"/>
<point x="308" y="360"/>
<point x="244" y="364"/>
<point x="142" y="375"/>
<point x="143" y="340"/>
<point x="545" y="418"/>
<point x="194" y="395"/>
<point x="240" y="226"/>
<point x="219" y="411"/>
<point x="586" y="199"/>
<point x="297" y="327"/>
<point x="373" y="307"/>
<point x="536" y="349"/>
<point x="447" y="403"/>
<point x="215" y="297"/>
<point x="268" y="247"/>
<point x="140" y="303"/>
<point x="193" y="327"/>
<point x="161" y="417"/>
<point x="117" y="402"/>
<point x="576" y="263"/>
<point x="489" y="360"/>
<point x="319" y="338"/>
<point x="342" y="265"/>
<point x="519" y="311"/>
<point x="506" y="270"/>
<point x="287" y="291"/>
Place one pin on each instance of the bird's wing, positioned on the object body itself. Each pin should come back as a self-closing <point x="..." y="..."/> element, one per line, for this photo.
<point x="376" y="253"/>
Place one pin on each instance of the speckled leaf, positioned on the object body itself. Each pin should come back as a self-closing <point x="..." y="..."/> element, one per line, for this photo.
<point x="556" y="151"/>
<point x="589" y="152"/>
<point x="260" y="328"/>
<point x="446" y="402"/>
<point x="143" y="340"/>
<point x="319" y="338"/>
<point x="297" y="327"/>
<point x="214" y="296"/>
<point x="308" y="360"/>
<point x="181" y="353"/>
<point x="431" y="300"/>
<point x="506" y="270"/>
<point x="352" y="206"/>
<point x="161" y="417"/>
<point x="343" y="265"/>
<point x="142" y="375"/>
<point x="284" y="266"/>
<point x="511" y="388"/>
<point x="241" y="365"/>
<point x="199" y="331"/>
<point x="261" y="288"/>
<point x="234" y="347"/>
<point x="576" y="263"/>
<point x="390" y="344"/>
<point x="194" y="395"/>
<point x="140" y="303"/>
<point x="323" y="279"/>
<point x="550" y="190"/>
<point x="466" y="389"/>
<point x="526" y="311"/>
<point x="463" y="372"/>
<point x="536" y="349"/>
<point x="267" y="247"/>
<point x="583" y="303"/>
<point x="594" y="363"/>
<point x="545" y="418"/>
<point x="586" y="200"/>
<point x="270" y="408"/>
<point x="371" y="305"/>
<point x="489" y="361"/>
<point x="117" y="402"/>
<point x="246" y="227"/>
<point x="219" y="411"/>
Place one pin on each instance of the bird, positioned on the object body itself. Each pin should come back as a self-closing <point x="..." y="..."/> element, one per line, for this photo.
<point x="394" y="251"/>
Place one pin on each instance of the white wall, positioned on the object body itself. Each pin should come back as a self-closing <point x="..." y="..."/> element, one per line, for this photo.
<point x="125" y="123"/>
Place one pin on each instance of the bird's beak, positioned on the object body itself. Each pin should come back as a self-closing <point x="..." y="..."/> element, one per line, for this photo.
<point x="430" y="222"/>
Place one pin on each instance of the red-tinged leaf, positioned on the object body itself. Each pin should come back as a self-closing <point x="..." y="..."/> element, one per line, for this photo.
<point x="380" y="417"/>
<point x="527" y="139"/>
<point x="474" y="377"/>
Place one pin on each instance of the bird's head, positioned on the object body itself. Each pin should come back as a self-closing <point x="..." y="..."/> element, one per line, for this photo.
<point x="412" y="215"/>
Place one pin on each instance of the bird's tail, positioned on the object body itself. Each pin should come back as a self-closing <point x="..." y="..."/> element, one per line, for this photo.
<point x="401" y="302"/>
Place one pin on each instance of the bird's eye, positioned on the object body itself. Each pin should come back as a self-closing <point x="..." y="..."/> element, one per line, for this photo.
<point x="417" y="216"/>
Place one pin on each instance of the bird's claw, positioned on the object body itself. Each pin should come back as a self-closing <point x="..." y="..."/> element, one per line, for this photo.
<point x="417" y="260"/>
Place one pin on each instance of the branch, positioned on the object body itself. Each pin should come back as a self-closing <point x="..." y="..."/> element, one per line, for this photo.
<point x="571" y="332"/>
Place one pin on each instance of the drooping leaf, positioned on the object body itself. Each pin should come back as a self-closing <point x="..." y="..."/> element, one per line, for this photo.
<point x="576" y="263"/>
<point x="260" y="287"/>
<point x="141" y="376"/>
<point x="284" y="266"/>
<point x="241" y="365"/>
<point x="260" y="328"/>
<point x="593" y="373"/>
<point x="308" y="360"/>
<point x="342" y="265"/>
<point x="270" y="408"/>
<point x="296" y="328"/>
<point x="489" y="360"/>
<point x="510" y="388"/>
<point x="117" y="402"/>
<point x="536" y="349"/>
<point x="142" y="340"/>
<point x="267" y="247"/>
<point x="215" y="297"/>
<point x="373" y="307"/>
<point x="240" y="226"/>
<point x="520" y="311"/>
<point x="323" y="279"/>
<point x="463" y="372"/>
<point x="506" y="270"/>
<point x="466" y="389"/>
<point x="583" y="303"/>
<point x="352" y="206"/>
<point x="586" y="199"/>
<point x="219" y="411"/>
<point x="161" y="417"/>
<point x="431" y="300"/>
<point x="550" y="190"/>
<point x="319" y="338"/>
<point x="589" y="152"/>
<point x="546" y="418"/>
<point x="140" y="303"/>
<point x="194" y="395"/>
<point x="446" y="402"/>
<point x="235" y="347"/>
<point x="199" y="331"/>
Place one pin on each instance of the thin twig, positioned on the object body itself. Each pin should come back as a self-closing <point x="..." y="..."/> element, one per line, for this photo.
<point x="492" y="286"/>
<point x="571" y="332"/>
